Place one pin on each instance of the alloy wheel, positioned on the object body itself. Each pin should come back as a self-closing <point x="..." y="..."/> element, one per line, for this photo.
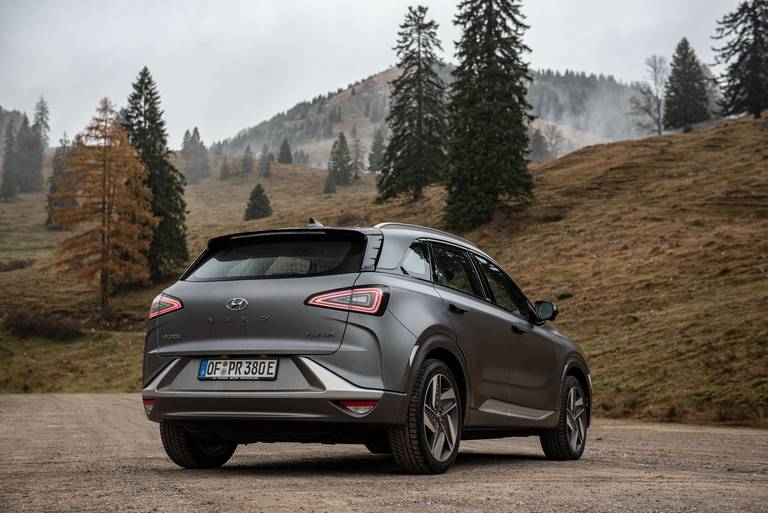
<point x="441" y="417"/>
<point x="574" y="419"/>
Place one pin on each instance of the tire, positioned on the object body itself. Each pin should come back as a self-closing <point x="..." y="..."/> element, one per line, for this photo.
<point x="378" y="446"/>
<point x="189" y="451"/>
<point x="568" y="440"/>
<point x="414" y="445"/>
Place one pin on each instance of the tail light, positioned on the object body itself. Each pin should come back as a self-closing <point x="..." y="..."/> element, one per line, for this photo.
<point x="368" y="300"/>
<point x="359" y="407"/>
<point x="164" y="304"/>
<point x="148" y="405"/>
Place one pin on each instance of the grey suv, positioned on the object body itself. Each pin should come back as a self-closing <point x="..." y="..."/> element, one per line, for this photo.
<point x="402" y="338"/>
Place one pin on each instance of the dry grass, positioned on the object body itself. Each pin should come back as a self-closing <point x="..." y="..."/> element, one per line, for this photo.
<point x="658" y="249"/>
<point x="97" y="362"/>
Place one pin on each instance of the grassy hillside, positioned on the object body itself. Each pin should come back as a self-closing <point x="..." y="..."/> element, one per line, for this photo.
<point x="656" y="251"/>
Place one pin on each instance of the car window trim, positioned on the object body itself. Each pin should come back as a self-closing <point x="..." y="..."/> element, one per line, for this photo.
<point x="429" y="257"/>
<point x="491" y="299"/>
<point x="472" y="263"/>
<point x="528" y="303"/>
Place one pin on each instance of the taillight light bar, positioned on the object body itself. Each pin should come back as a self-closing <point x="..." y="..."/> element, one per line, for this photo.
<point x="164" y="304"/>
<point x="370" y="300"/>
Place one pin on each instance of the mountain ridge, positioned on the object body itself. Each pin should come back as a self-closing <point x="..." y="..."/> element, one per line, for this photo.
<point x="575" y="102"/>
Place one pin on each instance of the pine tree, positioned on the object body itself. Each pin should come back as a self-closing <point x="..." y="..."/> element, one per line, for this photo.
<point x="379" y="109"/>
<point x="685" y="97"/>
<point x="358" y="153"/>
<point x="537" y="149"/>
<point x="329" y="187"/>
<point x="340" y="161"/>
<point x="107" y="198"/>
<point x="29" y="158"/>
<point x="335" y="115"/>
<point x="258" y="204"/>
<point x="488" y="143"/>
<point x="143" y="120"/>
<point x="9" y="185"/>
<point x="265" y="166"/>
<point x="415" y="156"/>
<point x="745" y="52"/>
<point x="246" y="165"/>
<point x="327" y="129"/>
<point x="195" y="156"/>
<point x="376" y="156"/>
<point x="284" y="156"/>
<point x="202" y="155"/>
<point x="60" y="179"/>
<point x="40" y="121"/>
<point x="224" y="169"/>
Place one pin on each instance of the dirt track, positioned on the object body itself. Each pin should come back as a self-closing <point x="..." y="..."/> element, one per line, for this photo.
<point x="98" y="453"/>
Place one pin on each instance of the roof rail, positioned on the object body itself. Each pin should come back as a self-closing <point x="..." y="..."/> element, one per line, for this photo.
<point x="393" y="225"/>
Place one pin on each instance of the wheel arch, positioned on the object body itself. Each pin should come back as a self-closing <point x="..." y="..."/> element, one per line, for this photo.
<point x="579" y="371"/>
<point x="450" y="354"/>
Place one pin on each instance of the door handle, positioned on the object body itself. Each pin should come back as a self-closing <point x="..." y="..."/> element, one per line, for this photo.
<point x="455" y="309"/>
<point x="517" y="329"/>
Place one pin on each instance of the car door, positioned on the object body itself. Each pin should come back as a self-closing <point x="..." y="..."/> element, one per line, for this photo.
<point x="532" y="360"/>
<point x="476" y="324"/>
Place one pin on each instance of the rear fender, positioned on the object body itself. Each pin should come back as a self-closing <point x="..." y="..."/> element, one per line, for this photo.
<point x="440" y="341"/>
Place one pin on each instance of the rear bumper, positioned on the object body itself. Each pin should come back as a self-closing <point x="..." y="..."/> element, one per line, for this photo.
<point x="312" y="399"/>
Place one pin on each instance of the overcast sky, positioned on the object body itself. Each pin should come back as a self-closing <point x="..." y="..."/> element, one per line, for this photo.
<point x="229" y="64"/>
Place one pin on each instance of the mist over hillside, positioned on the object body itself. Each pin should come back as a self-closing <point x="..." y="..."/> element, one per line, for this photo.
<point x="596" y="104"/>
<point x="587" y="108"/>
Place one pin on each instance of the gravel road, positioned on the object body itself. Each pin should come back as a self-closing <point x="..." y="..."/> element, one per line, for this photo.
<point x="97" y="453"/>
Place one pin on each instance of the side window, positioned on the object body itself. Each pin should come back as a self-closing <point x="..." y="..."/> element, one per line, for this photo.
<point x="454" y="269"/>
<point x="505" y="293"/>
<point x="416" y="260"/>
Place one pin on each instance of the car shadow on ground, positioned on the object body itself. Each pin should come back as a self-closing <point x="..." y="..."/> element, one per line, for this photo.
<point x="358" y="465"/>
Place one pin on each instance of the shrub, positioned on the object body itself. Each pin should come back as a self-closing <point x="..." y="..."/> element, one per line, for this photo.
<point x="12" y="265"/>
<point x="25" y="324"/>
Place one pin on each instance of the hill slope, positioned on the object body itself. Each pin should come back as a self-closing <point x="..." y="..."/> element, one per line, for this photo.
<point x="588" y="109"/>
<point x="656" y="250"/>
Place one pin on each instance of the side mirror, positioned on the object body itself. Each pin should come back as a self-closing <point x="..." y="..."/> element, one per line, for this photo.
<point x="546" y="311"/>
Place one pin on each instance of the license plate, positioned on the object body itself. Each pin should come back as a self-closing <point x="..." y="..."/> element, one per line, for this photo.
<point x="263" y="368"/>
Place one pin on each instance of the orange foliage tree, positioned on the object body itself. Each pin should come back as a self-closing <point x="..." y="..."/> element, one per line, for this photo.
<point x="106" y="198"/>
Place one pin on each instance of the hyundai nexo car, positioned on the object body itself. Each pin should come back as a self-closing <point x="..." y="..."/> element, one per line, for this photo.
<point x="402" y="338"/>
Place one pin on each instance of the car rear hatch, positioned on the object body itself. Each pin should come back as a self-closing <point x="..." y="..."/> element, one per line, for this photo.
<point x="246" y="295"/>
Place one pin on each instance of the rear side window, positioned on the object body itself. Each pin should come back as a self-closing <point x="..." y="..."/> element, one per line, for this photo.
<point x="416" y="260"/>
<point x="282" y="256"/>
<point x="454" y="269"/>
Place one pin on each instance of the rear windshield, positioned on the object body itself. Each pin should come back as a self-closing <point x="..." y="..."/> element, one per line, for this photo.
<point x="282" y="256"/>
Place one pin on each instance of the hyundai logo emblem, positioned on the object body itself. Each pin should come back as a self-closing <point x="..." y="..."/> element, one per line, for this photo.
<point x="237" y="304"/>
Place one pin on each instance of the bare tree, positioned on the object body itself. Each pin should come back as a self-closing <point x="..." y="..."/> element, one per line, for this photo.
<point x="648" y="105"/>
<point x="714" y="95"/>
<point x="555" y="141"/>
